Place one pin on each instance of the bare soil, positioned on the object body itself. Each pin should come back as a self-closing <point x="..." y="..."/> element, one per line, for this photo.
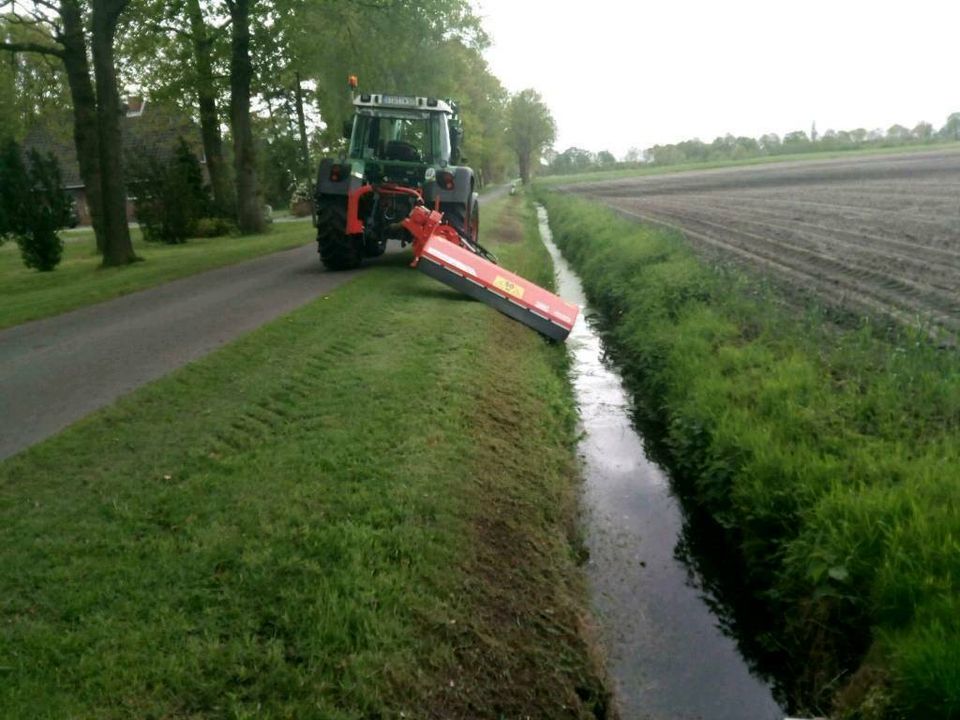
<point x="877" y="235"/>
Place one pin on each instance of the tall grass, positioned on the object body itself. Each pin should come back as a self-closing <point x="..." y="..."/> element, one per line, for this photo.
<point x="830" y="458"/>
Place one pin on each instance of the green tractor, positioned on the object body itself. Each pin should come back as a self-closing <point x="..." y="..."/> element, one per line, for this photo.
<point x="404" y="151"/>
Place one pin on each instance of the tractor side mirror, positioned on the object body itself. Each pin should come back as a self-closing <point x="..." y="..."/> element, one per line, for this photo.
<point x="347" y="129"/>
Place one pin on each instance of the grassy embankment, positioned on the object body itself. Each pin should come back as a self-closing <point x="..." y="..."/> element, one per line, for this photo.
<point x="364" y="509"/>
<point x="830" y="459"/>
<point x="599" y="175"/>
<point x="80" y="280"/>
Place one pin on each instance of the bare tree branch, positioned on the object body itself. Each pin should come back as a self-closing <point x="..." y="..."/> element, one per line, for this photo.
<point x="48" y="5"/>
<point x="32" y="47"/>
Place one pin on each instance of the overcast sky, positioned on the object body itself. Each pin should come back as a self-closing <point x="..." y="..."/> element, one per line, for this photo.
<point x="633" y="74"/>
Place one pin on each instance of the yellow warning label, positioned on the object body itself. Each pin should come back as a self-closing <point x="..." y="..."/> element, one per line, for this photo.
<point x="510" y="288"/>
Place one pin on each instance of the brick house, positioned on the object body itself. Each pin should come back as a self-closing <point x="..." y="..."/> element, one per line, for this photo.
<point x="149" y="130"/>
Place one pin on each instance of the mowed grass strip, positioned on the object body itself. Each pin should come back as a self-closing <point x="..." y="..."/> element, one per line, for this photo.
<point x="829" y="458"/>
<point x="363" y="509"/>
<point x="80" y="280"/>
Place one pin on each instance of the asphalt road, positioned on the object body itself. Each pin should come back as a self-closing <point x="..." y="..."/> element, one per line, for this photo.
<point x="55" y="371"/>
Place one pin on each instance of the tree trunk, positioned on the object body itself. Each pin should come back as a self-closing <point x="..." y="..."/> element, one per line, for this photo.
<point x="85" y="134"/>
<point x="209" y="117"/>
<point x="523" y="160"/>
<point x="118" y="250"/>
<point x="306" y="170"/>
<point x="249" y="213"/>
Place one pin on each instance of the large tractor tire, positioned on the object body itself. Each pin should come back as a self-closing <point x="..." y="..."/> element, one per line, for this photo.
<point x="338" y="251"/>
<point x="464" y="220"/>
<point x="375" y="248"/>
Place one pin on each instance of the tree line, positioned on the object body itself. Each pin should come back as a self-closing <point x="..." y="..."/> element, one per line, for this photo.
<point x="265" y="81"/>
<point x="729" y="147"/>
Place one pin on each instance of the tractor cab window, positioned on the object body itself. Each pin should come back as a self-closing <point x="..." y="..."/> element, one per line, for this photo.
<point x="399" y="136"/>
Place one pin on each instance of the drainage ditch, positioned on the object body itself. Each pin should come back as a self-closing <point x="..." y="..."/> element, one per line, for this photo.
<point x="666" y="650"/>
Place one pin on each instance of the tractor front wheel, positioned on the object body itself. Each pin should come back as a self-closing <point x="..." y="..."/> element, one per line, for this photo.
<point x="338" y="251"/>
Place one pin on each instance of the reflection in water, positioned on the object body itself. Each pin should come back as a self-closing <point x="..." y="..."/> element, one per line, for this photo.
<point x="666" y="651"/>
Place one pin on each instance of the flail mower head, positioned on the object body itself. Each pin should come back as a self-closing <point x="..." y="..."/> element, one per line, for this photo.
<point x="440" y="252"/>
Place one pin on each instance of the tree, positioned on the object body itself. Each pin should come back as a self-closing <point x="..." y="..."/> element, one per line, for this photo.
<point x="605" y="159"/>
<point x="171" y="197"/>
<point x="180" y="53"/>
<point x="31" y="86"/>
<point x="770" y="143"/>
<point x="530" y="129"/>
<point x="898" y="133"/>
<point x="796" y="140"/>
<point x="923" y="131"/>
<point x="433" y="48"/>
<point x="33" y="206"/>
<point x="118" y="249"/>
<point x="202" y="44"/>
<point x="951" y="130"/>
<point x="666" y="154"/>
<point x="60" y="31"/>
<point x="744" y="147"/>
<point x="249" y="211"/>
<point x="573" y="160"/>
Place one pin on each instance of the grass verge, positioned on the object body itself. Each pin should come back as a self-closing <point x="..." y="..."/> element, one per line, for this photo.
<point x="361" y="510"/>
<point x="80" y="280"/>
<point x="828" y="459"/>
<point x="601" y="175"/>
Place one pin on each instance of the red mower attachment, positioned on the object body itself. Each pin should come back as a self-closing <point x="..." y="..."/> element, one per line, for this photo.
<point x="440" y="252"/>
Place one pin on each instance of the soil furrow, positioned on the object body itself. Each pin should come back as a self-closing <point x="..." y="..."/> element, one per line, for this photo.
<point x="915" y="270"/>
<point x="875" y="234"/>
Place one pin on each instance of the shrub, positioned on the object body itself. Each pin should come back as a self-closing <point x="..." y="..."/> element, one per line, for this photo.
<point x="209" y="227"/>
<point x="34" y="206"/>
<point x="170" y="196"/>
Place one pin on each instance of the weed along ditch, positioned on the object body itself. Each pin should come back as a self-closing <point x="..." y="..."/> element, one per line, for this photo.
<point x="666" y="653"/>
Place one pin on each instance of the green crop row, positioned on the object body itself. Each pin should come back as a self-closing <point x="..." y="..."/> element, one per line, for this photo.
<point x="829" y="457"/>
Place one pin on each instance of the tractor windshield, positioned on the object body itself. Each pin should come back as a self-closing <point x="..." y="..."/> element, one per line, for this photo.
<point x="417" y="137"/>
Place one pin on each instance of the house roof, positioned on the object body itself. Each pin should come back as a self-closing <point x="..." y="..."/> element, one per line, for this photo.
<point x="150" y="131"/>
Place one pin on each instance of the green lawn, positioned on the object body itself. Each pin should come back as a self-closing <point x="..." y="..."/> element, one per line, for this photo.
<point x="80" y="280"/>
<point x="598" y="176"/>
<point x="364" y="509"/>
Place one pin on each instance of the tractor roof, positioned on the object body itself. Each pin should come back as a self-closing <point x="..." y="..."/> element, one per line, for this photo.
<point x="402" y="102"/>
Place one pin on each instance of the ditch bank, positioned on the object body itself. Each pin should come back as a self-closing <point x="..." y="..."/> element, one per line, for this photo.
<point x="659" y="632"/>
<point x="818" y="466"/>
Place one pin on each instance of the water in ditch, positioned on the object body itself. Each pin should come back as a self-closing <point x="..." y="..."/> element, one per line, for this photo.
<point x="666" y="652"/>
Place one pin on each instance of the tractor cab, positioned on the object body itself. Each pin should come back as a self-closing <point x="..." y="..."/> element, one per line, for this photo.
<point x="395" y="138"/>
<point x="412" y="132"/>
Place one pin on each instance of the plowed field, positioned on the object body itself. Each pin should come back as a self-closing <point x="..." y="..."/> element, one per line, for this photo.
<point x="870" y="234"/>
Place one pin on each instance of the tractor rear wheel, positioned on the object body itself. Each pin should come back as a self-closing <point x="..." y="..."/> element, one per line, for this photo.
<point x="465" y="221"/>
<point x="338" y="251"/>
